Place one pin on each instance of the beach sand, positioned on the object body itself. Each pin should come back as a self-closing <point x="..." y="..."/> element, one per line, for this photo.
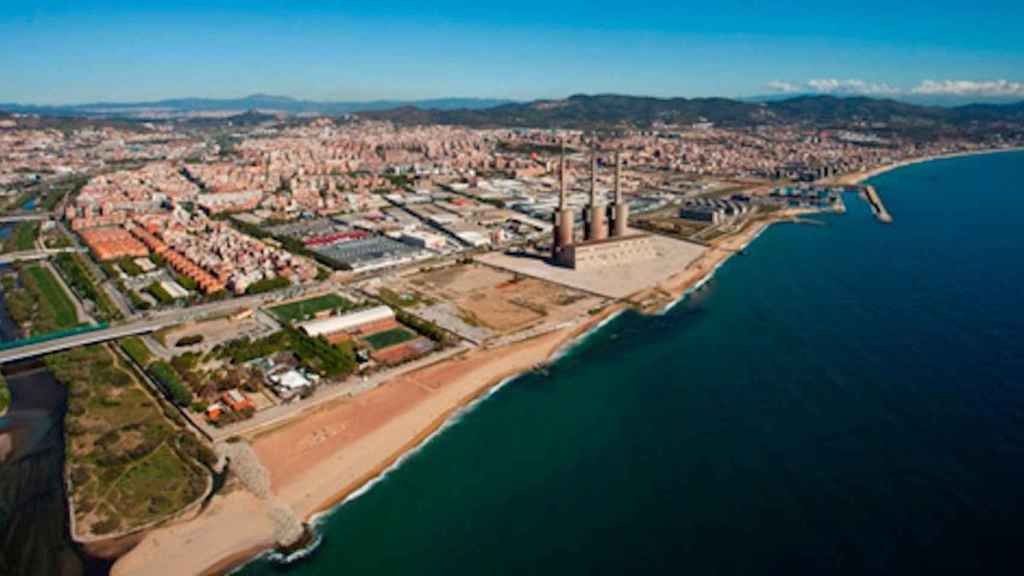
<point x="316" y="461"/>
<point x="232" y="529"/>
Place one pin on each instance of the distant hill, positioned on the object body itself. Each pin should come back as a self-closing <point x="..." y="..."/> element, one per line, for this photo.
<point x="262" y="102"/>
<point x="611" y="111"/>
<point x="601" y="111"/>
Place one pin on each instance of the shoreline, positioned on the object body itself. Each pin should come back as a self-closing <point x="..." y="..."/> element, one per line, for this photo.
<point x="567" y="340"/>
<point x="860" y="177"/>
<point x="313" y="502"/>
<point x="307" y="490"/>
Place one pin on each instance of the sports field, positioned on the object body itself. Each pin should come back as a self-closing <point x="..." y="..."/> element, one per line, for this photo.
<point x="303" y="309"/>
<point x="388" y="338"/>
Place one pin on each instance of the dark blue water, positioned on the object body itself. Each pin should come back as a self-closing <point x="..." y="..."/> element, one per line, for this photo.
<point x="844" y="399"/>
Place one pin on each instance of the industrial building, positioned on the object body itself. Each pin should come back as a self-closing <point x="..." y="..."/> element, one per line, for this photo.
<point x="714" y="211"/>
<point x="608" y="252"/>
<point x="350" y="322"/>
<point x="597" y="249"/>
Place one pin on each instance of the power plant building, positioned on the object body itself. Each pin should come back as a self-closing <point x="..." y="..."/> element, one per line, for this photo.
<point x="598" y="248"/>
<point x="608" y="252"/>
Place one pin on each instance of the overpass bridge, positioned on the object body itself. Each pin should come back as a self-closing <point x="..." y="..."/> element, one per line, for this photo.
<point x="31" y="255"/>
<point x="27" y="217"/>
<point x="48" y="345"/>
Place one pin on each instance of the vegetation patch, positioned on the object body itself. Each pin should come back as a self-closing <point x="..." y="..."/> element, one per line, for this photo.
<point x="169" y="381"/>
<point x="129" y="267"/>
<point x="5" y="395"/>
<point x="316" y="354"/>
<point x="128" y="461"/>
<point x="137" y="350"/>
<point x="37" y="302"/>
<point x="425" y="327"/>
<point x="157" y="291"/>
<point x="53" y="300"/>
<point x="268" y="285"/>
<point x="82" y="282"/>
<point x="22" y="238"/>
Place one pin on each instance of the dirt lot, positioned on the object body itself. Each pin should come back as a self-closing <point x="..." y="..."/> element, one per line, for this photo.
<point x="500" y="301"/>
<point x="218" y="331"/>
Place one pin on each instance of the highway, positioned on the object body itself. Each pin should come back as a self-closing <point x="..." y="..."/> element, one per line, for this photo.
<point x="30" y="255"/>
<point x="11" y="218"/>
<point x="112" y="333"/>
<point x="153" y="322"/>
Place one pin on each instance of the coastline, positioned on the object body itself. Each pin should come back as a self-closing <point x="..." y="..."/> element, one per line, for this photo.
<point x="359" y="458"/>
<point x="860" y="177"/>
<point x="235" y="530"/>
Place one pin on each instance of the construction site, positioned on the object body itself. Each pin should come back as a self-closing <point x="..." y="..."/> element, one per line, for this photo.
<point x="482" y="303"/>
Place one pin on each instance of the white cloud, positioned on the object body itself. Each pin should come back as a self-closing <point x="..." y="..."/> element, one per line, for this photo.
<point x="851" y="86"/>
<point x="780" y="86"/>
<point x="986" y="88"/>
<point x="833" y="86"/>
<point x="978" y="89"/>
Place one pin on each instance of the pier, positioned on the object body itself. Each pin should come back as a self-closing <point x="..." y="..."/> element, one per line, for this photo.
<point x="876" y="204"/>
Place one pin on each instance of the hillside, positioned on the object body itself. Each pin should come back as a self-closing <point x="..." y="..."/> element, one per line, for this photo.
<point x="611" y="111"/>
<point x="261" y="102"/>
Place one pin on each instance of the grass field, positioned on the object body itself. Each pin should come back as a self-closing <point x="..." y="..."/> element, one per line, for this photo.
<point x="81" y="281"/>
<point x="128" y="461"/>
<point x="303" y="309"/>
<point x="22" y="238"/>
<point x="5" y="395"/>
<point x="52" y="296"/>
<point x="137" y="350"/>
<point x="388" y="338"/>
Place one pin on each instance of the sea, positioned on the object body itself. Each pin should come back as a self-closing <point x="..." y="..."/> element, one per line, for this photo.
<point x="842" y="399"/>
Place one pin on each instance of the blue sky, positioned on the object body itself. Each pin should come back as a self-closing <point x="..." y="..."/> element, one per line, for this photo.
<point x="83" y="50"/>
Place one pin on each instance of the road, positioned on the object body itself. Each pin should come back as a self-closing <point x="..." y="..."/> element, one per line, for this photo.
<point x="30" y="255"/>
<point x="11" y="218"/>
<point x="153" y="322"/>
<point x="56" y="345"/>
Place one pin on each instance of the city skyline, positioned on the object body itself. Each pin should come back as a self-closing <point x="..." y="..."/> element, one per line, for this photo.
<point x="67" y="53"/>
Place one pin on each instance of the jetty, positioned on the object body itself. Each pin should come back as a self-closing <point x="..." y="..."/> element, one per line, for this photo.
<point x="876" y="204"/>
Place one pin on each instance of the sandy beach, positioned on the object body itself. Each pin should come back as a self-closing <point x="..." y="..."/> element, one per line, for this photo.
<point x="317" y="461"/>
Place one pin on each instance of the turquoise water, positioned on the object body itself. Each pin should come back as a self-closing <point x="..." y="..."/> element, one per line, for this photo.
<point x="843" y="399"/>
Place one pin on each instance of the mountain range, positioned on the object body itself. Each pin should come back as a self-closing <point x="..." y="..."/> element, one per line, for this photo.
<point x="263" y="102"/>
<point x="605" y="111"/>
<point x="610" y="111"/>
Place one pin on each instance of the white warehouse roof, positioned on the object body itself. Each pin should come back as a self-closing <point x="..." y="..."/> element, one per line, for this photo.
<point x="349" y="321"/>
